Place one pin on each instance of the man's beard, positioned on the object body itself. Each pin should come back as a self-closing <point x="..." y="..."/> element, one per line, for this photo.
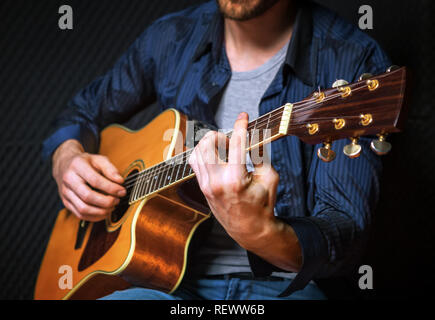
<point x="242" y="10"/>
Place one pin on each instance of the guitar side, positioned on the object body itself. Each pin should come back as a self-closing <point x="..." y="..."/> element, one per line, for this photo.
<point x="148" y="246"/>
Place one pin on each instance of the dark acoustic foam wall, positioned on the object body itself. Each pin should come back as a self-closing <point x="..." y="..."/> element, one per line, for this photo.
<point x="41" y="67"/>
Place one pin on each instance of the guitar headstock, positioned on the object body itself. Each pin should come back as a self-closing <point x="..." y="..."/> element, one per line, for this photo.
<point x="374" y="105"/>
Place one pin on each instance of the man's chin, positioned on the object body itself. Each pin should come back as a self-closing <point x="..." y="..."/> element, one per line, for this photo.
<point x="243" y="10"/>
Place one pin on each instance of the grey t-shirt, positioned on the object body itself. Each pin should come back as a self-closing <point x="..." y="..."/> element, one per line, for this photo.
<point x="220" y="254"/>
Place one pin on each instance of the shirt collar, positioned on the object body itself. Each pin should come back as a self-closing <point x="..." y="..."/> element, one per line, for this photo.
<point x="298" y="56"/>
<point x="213" y="35"/>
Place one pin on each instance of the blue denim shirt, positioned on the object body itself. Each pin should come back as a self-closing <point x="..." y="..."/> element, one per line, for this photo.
<point x="180" y="61"/>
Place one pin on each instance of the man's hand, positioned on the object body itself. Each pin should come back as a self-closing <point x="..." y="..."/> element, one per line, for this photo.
<point x="244" y="202"/>
<point x="89" y="185"/>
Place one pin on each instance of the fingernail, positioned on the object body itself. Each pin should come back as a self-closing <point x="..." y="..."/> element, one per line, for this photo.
<point x="241" y="116"/>
<point x="122" y="193"/>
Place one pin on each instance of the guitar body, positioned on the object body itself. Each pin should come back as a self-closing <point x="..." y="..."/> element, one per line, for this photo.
<point x="146" y="245"/>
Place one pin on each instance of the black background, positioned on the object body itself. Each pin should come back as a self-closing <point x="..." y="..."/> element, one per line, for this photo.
<point x="41" y="67"/>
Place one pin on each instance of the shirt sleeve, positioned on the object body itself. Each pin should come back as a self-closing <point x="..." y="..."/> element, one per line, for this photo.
<point x="113" y="97"/>
<point x="342" y="196"/>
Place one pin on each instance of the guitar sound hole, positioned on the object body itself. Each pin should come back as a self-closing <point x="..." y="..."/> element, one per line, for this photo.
<point x="123" y="205"/>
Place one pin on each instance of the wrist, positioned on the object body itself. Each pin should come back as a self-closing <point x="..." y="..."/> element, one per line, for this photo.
<point x="67" y="150"/>
<point x="279" y="245"/>
<point x="68" y="147"/>
<point x="262" y="234"/>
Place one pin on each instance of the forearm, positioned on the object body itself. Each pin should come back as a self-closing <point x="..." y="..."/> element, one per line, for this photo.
<point x="278" y="245"/>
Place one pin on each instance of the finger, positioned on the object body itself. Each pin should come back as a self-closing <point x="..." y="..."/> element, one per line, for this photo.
<point x="222" y="144"/>
<point x="267" y="175"/>
<point x="70" y="206"/>
<point x="85" y="210"/>
<point x="210" y="148"/>
<point x="91" y="197"/>
<point x="201" y="172"/>
<point x="193" y="162"/>
<point x="268" y="178"/>
<point x="261" y="160"/>
<point x="237" y="147"/>
<point x="88" y="173"/>
<point x="104" y="165"/>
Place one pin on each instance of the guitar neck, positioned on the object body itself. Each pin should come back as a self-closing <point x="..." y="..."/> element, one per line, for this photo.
<point x="262" y="130"/>
<point x="372" y="105"/>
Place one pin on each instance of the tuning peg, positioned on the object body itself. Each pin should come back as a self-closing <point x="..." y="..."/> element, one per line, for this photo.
<point x="372" y="84"/>
<point x="339" y="123"/>
<point x="366" y="119"/>
<point x="365" y="76"/>
<point x="313" y="128"/>
<point x="319" y="96"/>
<point x="352" y="150"/>
<point x="325" y="153"/>
<point x="339" y="83"/>
<point x="380" y="146"/>
<point x="392" y="68"/>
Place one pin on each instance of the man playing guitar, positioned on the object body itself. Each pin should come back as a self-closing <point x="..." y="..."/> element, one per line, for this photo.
<point x="279" y="227"/>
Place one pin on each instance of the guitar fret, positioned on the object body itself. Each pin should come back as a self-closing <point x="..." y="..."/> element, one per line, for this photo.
<point x="134" y="192"/>
<point x="178" y="171"/>
<point x="171" y="176"/>
<point x="161" y="176"/>
<point x="148" y="182"/>
<point x="252" y="133"/>
<point x="266" y="129"/>
<point x="166" y="179"/>
<point x="143" y="184"/>
<point x="184" y="170"/>
<point x="136" y="188"/>
<point x="153" y="179"/>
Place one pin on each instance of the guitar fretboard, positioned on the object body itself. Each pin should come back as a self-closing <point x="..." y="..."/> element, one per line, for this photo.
<point x="177" y="169"/>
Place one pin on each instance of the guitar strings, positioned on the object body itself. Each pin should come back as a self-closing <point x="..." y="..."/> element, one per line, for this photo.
<point x="146" y="175"/>
<point x="276" y="114"/>
<point x="176" y="159"/>
<point x="304" y="106"/>
<point x="165" y="168"/>
<point x="180" y="159"/>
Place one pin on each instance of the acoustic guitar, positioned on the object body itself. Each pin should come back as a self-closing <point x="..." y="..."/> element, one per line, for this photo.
<point x="148" y="239"/>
